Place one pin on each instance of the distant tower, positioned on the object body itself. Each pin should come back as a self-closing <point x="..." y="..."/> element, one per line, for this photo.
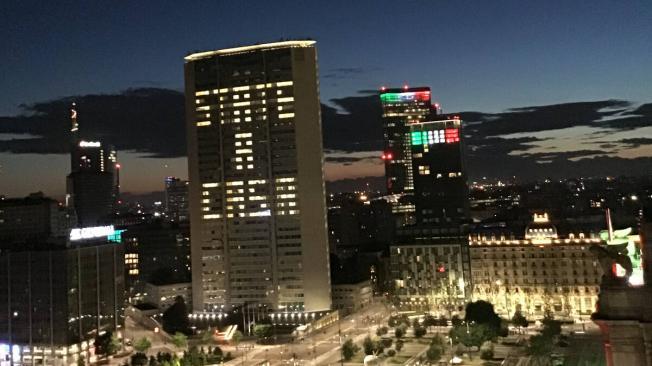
<point x="401" y="108"/>
<point x="91" y="184"/>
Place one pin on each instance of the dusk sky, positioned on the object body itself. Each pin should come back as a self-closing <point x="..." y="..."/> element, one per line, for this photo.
<point x="482" y="56"/>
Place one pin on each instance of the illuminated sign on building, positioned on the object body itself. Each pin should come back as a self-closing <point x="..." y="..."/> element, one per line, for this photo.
<point x="89" y="144"/>
<point x="420" y="96"/>
<point x="92" y="232"/>
<point x="449" y="136"/>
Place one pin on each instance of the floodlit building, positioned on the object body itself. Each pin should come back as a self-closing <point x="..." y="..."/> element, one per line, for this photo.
<point x="538" y="273"/>
<point x="351" y="297"/>
<point x="257" y="201"/>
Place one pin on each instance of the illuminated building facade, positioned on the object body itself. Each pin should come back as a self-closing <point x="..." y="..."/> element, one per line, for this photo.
<point x="257" y="198"/>
<point x="431" y="274"/>
<point x="57" y="296"/>
<point x="401" y="108"/>
<point x="92" y="185"/>
<point x="440" y="187"/>
<point x="541" y="272"/>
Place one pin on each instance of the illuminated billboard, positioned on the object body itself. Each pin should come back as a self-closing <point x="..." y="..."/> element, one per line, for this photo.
<point x="108" y="232"/>
<point x="405" y="97"/>
<point x="448" y="136"/>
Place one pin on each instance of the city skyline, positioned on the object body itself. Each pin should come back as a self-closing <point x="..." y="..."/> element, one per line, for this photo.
<point x="495" y="57"/>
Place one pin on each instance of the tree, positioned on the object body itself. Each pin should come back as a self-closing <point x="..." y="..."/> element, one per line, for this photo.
<point x="429" y="321"/>
<point x="415" y="323"/>
<point x="106" y="344"/>
<point x="391" y="353"/>
<point x="381" y="331"/>
<point x="540" y="348"/>
<point x="551" y="327"/>
<point x="180" y="340"/>
<point x="399" y="332"/>
<point x="398" y="345"/>
<point x="152" y="361"/>
<point x="471" y="334"/>
<point x="487" y="350"/>
<point x="456" y="321"/>
<point x="518" y="320"/>
<point x="368" y="346"/>
<point x="386" y="342"/>
<point x="434" y="353"/>
<point x="236" y="337"/>
<point x="263" y="331"/>
<point x="438" y="339"/>
<point x="139" y="359"/>
<point x="482" y="312"/>
<point x="419" y="331"/>
<point x="349" y="349"/>
<point x="396" y="320"/>
<point x="81" y="361"/>
<point x="175" y="318"/>
<point x="142" y="345"/>
<point x="207" y="336"/>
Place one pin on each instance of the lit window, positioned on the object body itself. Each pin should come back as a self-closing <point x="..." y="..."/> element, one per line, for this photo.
<point x="285" y="115"/>
<point x="279" y="92"/>
<point x="210" y="185"/>
<point x="203" y="123"/>
<point x="244" y="151"/>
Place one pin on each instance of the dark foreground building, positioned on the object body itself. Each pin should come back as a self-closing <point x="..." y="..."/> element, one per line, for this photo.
<point x="56" y="296"/>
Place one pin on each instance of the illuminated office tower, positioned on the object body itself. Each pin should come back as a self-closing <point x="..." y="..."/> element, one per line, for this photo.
<point x="257" y="201"/>
<point x="92" y="186"/>
<point x="176" y="199"/>
<point x="401" y="108"/>
<point x="440" y="188"/>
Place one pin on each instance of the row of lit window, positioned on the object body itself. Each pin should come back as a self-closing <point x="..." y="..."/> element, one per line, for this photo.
<point x="243" y="88"/>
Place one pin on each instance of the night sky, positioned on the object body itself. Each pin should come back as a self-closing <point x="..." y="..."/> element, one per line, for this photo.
<point x="523" y="66"/>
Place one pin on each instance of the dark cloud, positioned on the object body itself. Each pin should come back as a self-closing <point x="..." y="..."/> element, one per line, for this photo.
<point x="151" y="121"/>
<point x="342" y="72"/>
<point x="636" y="141"/>
<point x="147" y="120"/>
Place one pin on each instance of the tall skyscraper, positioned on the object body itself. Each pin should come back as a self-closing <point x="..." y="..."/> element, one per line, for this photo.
<point x="401" y="108"/>
<point x="92" y="186"/>
<point x="440" y="187"/>
<point x="257" y="197"/>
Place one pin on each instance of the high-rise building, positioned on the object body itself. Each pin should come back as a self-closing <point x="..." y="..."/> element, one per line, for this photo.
<point x="92" y="185"/>
<point x="33" y="218"/>
<point x="441" y="194"/>
<point x="401" y="108"/>
<point x="176" y="199"/>
<point x="257" y="197"/>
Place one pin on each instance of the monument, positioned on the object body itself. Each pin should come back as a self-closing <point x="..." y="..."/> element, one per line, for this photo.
<point x="624" y="308"/>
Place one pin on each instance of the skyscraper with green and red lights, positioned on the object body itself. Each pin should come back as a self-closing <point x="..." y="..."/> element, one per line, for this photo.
<point x="401" y="108"/>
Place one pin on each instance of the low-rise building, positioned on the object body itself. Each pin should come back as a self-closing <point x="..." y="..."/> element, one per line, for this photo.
<point x="351" y="297"/>
<point x="163" y="295"/>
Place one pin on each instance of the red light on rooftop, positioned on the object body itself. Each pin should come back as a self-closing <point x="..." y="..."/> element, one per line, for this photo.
<point x="387" y="156"/>
<point x="405" y="87"/>
<point x="441" y="269"/>
<point x="118" y="166"/>
<point x="382" y="88"/>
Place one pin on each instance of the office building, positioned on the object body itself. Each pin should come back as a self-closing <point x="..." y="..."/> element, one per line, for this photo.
<point x="58" y="295"/>
<point x="176" y="199"/>
<point x="92" y="185"/>
<point x="352" y="296"/>
<point x="257" y="201"/>
<point x="441" y="194"/>
<point x="33" y="218"/>
<point x="401" y="108"/>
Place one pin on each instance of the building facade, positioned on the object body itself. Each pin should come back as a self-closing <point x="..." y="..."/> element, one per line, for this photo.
<point x="176" y="199"/>
<point x="431" y="274"/>
<point x="401" y="108"/>
<point x="257" y="200"/>
<point x="163" y="295"/>
<point x="440" y="186"/>
<point x="539" y="273"/>
<point x="58" y="298"/>
<point x="349" y="298"/>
